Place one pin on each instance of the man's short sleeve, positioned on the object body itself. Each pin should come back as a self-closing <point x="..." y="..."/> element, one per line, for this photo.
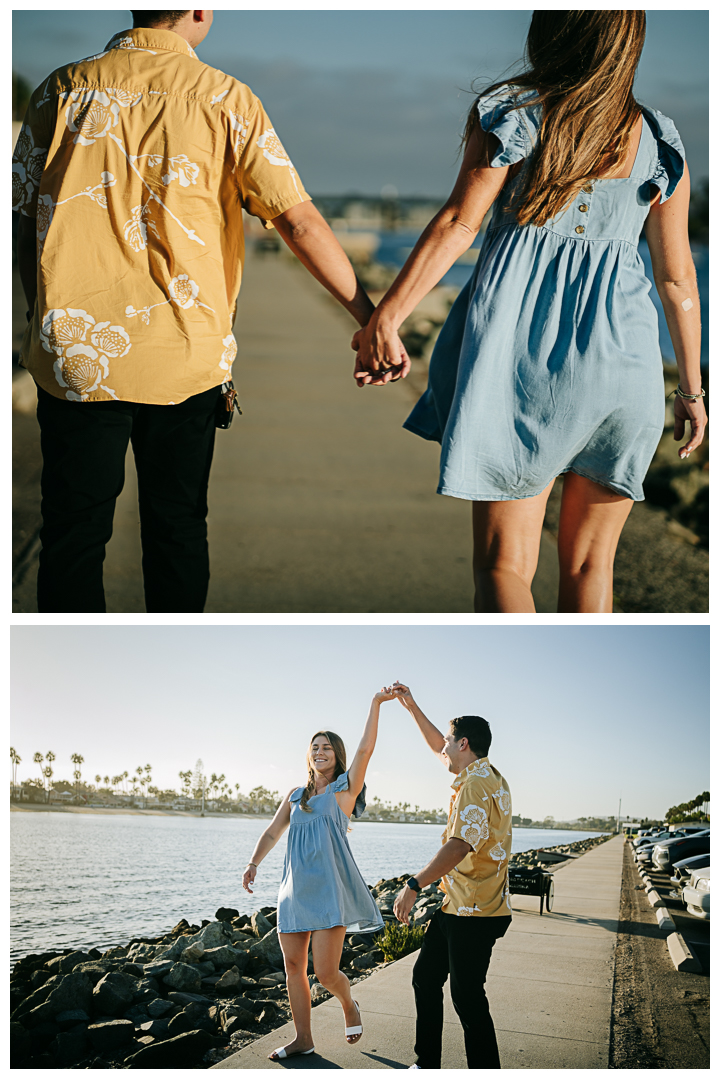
<point x="266" y="177"/>
<point x="31" y="151"/>
<point x="470" y="815"/>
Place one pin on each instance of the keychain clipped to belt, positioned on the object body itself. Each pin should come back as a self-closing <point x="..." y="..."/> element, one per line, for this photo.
<point x="227" y="403"/>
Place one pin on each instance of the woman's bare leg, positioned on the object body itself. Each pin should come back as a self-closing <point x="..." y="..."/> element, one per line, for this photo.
<point x="327" y="948"/>
<point x="591" y="520"/>
<point x="506" y="548"/>
<point x="295" y="953"/>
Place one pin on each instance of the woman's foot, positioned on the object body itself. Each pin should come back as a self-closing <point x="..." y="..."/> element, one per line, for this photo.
<point x="297" y="1046"/>
<point x="353" y="1028"/>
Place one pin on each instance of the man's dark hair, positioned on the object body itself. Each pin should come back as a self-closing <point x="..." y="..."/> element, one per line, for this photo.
<point x="475" y="730"/>
<point x="157" y="18"/>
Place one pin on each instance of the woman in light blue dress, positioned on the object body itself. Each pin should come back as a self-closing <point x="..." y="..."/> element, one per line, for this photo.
<point x="549" y="362"/>
<point x="322" y="893"/>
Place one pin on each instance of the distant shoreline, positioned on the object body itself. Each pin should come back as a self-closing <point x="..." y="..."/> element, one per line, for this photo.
<point x="157" y="812"/>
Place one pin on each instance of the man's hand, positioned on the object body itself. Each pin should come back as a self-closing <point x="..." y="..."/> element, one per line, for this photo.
<point x="403" y="694"/>
<point x="403" y="905"/>
<point x="381" y="356"/>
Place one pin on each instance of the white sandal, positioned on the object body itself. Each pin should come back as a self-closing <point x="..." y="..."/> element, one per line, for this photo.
<point x="281" y="1052"/>
<point x="358" y="1029"/>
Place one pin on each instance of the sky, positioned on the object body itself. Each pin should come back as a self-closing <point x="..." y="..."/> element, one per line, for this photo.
<point x="364" y="99"/>
<point x="581" y="716"/>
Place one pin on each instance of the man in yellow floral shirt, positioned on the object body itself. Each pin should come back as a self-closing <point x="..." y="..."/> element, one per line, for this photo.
<point x="130" y="175"/>
<point x="473" y="864"/>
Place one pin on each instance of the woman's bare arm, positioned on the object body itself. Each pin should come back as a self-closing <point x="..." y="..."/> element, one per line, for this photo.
<point x="449" y="234"/>
<point x="356" y="772"/>
<point x="666" y="232"/>
<point x="268" y="840"/>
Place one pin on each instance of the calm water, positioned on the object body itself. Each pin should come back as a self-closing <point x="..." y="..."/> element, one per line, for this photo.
<point x="395" y="247"/>
<point x="95" y="880"/>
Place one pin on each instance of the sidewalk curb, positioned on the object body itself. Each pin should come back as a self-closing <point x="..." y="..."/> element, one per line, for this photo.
<point x="654" y="898"/>
<point x="682" y="954"/>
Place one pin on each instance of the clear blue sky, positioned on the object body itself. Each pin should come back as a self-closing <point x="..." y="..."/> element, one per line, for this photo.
<point x="580" y="715"/>
<point x="366" y="98"/>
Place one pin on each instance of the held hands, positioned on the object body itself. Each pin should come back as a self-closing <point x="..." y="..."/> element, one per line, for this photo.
<point x="249" y="877"/>
<point x="402" y="693"/>
<point x="386" y="694"/>
<point x="694" y="411"/>
<point x="381" y="356"/>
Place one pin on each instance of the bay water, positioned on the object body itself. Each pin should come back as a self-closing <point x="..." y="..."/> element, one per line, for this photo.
<point x="84" y="880"/>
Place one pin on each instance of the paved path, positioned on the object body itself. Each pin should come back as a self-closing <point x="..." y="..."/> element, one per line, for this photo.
<point x="319" y="500"/>
<point x="549" y="986"/>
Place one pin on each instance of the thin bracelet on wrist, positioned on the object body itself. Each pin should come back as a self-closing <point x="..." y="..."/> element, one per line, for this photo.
<point x="688" y="397"/>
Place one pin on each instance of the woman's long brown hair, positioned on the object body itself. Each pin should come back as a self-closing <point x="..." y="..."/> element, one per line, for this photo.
<point x="581" y="65"/>
<point x="340" y="765"/>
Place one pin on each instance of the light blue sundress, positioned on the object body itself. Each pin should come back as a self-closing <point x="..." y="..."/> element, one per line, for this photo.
<point x="549" y="360"/>
<point x="321" y="884"/>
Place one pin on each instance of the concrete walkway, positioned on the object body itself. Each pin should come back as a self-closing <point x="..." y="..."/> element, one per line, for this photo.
<point x="319" y="500"/>
<point x="549" y="987"/>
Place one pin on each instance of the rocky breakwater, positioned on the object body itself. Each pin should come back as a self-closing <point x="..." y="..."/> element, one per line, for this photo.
<point x="547" y="857"/>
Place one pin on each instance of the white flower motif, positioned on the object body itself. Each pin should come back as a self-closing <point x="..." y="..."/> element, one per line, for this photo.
<point x="476" y="828"/>
<point x="497" y="853"/>
<point x="229" y="353"/>
<point x="478" y="768"/>
<point x="135" y="229"/>
<point x="18" y="183"/>
<point x="503" y="800"/>
<point x="124" y="97"/>
<point x="187" y="171"/>
<point x="64" y="327"/>
<point x="273" y="149"/>
<point x="45" y="210"/>
<point x="467" y="910"/>
<point x="114" y="341"/>
<point x="183" y="290"/>
<point x="108" y="179"/>
<point x="80" y="371"/>
<point x="219" y="97"/>
<point x="91" y="114"/>
<point x="35" y="164"/>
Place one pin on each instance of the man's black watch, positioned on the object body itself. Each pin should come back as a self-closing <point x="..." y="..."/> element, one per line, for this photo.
<point x="412" y="883"/>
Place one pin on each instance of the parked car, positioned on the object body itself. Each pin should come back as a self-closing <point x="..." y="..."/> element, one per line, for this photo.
<point x="696" y="895"/>
<point x="668" y="852"/>
<point x="663" y="834"/>
<point x="645" y="835"/>
<point x="685" y="867"/>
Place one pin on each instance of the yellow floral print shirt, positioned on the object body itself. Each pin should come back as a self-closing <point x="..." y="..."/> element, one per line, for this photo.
<point x="137" y="164"/>
<point x="480" y="814"/>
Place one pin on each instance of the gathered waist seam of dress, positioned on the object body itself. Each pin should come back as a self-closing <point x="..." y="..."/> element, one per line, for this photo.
<point x="567" y="236"/>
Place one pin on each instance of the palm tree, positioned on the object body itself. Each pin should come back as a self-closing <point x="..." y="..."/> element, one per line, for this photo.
<point x="106" y="781"/>
<point x="38" y="759"/>
<point x="77" y="760"/>
<point x="98" y="779"/>
<point x="15" y="759"/>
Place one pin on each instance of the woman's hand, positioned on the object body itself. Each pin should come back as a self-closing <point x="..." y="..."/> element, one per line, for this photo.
<point x="402" y="693"/>
<point x="381" y="355"/>
<point x="386" y="694"/>
<point x="694" y="411"/>
<point x="249" y="876"/>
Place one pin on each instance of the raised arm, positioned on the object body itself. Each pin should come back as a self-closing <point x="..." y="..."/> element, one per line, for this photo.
<point x="666" y="232"/>
<point x="356" y="772"/>
<point x="267" y="841"/>
<point x="434" y="738"/>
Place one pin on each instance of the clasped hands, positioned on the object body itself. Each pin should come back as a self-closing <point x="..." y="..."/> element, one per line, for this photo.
<point x="381" y="355"/>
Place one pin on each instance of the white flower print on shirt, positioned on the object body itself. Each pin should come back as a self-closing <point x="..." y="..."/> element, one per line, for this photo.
<point x="183" y="291"/>
<point x="274" y="151"/>
<point x="136" y="227"/>
<point x="91" y="114"/>
<point x="476" y="827"/>
<point x="468" y="910"/>
<point x="240" y="125"/>
<point x="229" y="352"/>
<point x="503" y="800"/>
<point x="187" y="171"/>
<point x="28" y="164"/>
<point x="82" y="364"/>
<point x="478" y="768"/>
<point x="497" y="853"/>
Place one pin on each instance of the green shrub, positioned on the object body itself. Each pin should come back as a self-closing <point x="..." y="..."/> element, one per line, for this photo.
<point x="398" y="940"/>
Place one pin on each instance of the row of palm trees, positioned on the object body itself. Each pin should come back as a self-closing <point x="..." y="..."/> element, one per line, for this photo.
<point x="194" y="783"/>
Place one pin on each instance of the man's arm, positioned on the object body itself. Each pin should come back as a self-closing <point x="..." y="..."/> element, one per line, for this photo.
<point x="27" y="259"/>
<point x="433" y="737"/>
<point x="447" y="858"/>
<point x="308" y="235"/>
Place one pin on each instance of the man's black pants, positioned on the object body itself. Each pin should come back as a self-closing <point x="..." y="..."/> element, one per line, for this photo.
<point x="84" y="447"/>
<point x="461" y="947"/>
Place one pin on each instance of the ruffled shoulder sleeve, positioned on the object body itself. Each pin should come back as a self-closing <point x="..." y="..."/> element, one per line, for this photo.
<point x="296" y="795"/>
<point x="670" y="164"/>
<point x="500" y="117"/>
<point x="342" y="784"/>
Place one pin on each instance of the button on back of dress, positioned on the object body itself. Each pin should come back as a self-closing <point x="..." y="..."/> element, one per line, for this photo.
<point x="579" y="228"/>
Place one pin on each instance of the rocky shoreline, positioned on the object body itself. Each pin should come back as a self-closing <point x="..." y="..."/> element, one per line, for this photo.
<point x="189" y="998"/>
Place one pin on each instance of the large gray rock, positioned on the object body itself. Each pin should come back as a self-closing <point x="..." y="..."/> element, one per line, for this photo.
<point x="192" y="954"/>
<point x="107" y="1037"/>
<point x="179" y="1024"/>
<point x="232" y="1013"/>
<point x="183" y="977"/>
<point x="268" y="950"/>
<point x="95" y="970"/>
<point x="260" y="924"/>
<point x="181" y="1052"/>
<point x="21" y="1044"/>
<point x="140" y="953"/>
<point x="114" y="993"/>
<point x="157" y="1027"/>
<point x="158" y="968"/>
<point x="367" y="960"/>
<point x="235" y="1025"/>
<point x="158" y="1008"/>
<point x="73" y="991"/>
<point x="172" y="952"/>
<point x="69" y="1047"/>
<point x="71" y="1018"/>
<point x="224" y="914"/>
<point x="36" y="998"/>
<point x="182" y="999"/>
<point x="63" y="965"/>
<point x="230" y="980"/>
<point x="225" y="956"/>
